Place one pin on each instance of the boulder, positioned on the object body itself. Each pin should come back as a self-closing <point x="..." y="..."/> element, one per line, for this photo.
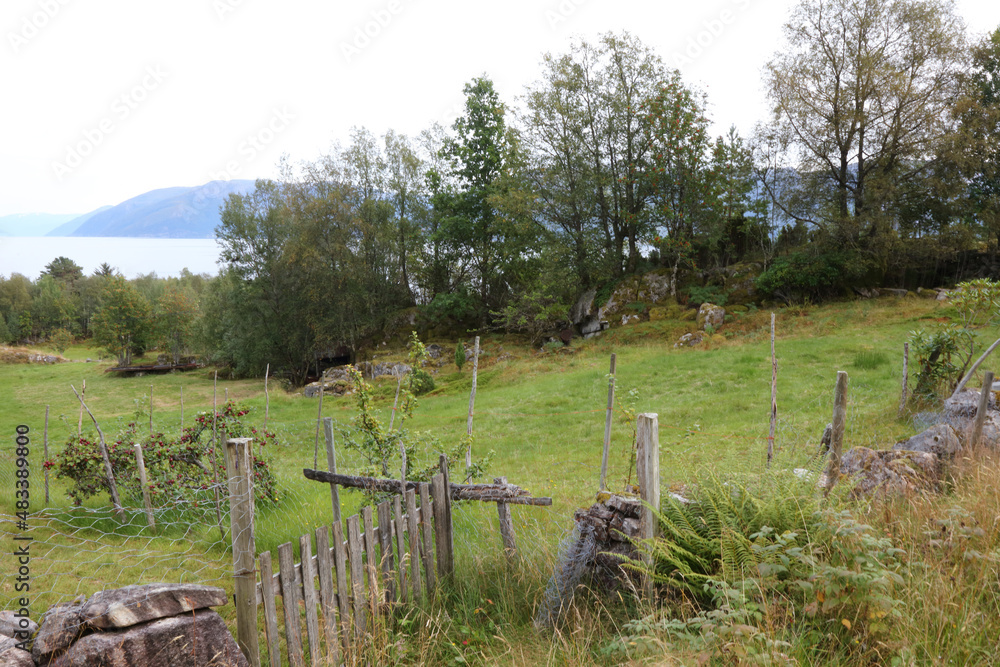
<point x="61" y="626"/>
<point x="12" y="656"/>
<point x="689" y="340"/>
<point x="583" y="309"/>
<point x="9" y="624"/>
<point x="888" y="472"/>
<point x="940" y="440"/>
<point x="434" y="351"/>
<point x="197" y="639"/>
<point x="960" y="413"/>
<point x="131" y="605"/>
<point x="629" y="319"/>
<point x="892" y="291"/>
<point x="942" y="295"/>
<point x="710" y="314"/>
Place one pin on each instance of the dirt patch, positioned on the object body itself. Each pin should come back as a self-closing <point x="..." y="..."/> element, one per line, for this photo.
<point x="22" y="355"/>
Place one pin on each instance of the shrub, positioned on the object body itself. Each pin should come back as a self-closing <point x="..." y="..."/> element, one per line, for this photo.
<point x="709" y="294"/>
<point x="421" y="382"/>
<point x="180" y="470"/>
<point x="61" y="339"/>
<point x="460" y="355"/>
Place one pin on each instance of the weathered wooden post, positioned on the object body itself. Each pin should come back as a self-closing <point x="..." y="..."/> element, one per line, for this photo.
<point x="331" y="463"/>
<point x="449" y="525"/>
<point x="774" y="398"/>
<point x="472" y="405"/>
<point x="984" y="404"/>
<point x="109" y="473"/>
<point x="141" y="465"/>
<point x="45" y="448"/>
<point x="648" y="472"/>
<point x="906" y="380"/>
<point x="215" y="453"/>
<point x="506" y="524"/>
<point x="607" y="423"/>
<point x="239" y="471"/>
<point x="837" y="433"/>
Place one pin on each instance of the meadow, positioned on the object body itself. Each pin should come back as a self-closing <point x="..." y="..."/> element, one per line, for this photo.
<point x="542" y="413"/>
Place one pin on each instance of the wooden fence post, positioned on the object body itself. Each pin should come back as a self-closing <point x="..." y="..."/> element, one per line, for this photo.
<point x="45" y="446"/>
<point x="984" y="404"/>
<point x="267" y="396"/>
<point x="331" y="463"/>
<point x="239" y="470"/>
<point x="906" y="380"/>
<point x="837" y="433"/>
<point x="109" y="473"/>
<point x="449" y="520"/>
<point x="215" y="453"/>
<point x="774" y="398"/>
<point x="648" y="472"/>
<point x="141" y="465"/>
<point x="472" y="405"/>
<point x="506" y="524"/>
<point x="607" y="423"/>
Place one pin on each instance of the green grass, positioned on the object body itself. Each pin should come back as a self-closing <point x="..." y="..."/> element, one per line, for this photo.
<point x="543" y="415"/>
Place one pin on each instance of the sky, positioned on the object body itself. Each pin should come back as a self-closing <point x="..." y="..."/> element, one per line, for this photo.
<point x="106" y="99"/>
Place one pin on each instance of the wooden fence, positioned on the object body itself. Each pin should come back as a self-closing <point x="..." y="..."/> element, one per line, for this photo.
<point x="379" y="565"/>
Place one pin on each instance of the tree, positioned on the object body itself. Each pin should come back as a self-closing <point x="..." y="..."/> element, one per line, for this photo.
<point x="176" y="312"/>
<point x="861" y="95"/>
<point x="105" y="270"/>
<point x="64" y="270"/>
<point x="123" y="324"/>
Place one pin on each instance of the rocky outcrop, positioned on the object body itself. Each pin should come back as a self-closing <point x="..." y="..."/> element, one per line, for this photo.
<point x="689" y="340"/>
<point x="613" y="521"/>
<point x="888" y="472"/>
<point x="148" y="626"/>
<point x="12" y="656"/>
<point x="11" y="624"/>
<point x="940" y="440"/>
<point x="711" y="315"/>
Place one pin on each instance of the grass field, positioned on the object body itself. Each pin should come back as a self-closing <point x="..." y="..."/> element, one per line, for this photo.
<point x="542" y="414"/>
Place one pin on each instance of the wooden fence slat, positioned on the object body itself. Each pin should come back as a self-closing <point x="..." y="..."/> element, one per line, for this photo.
<point x="427" y="544"/>
<point x="270" y="610"/>
<point x="506" y="525"/>
<point x="290" y="603"/>
<point x="440" y="518"/>
<point x="343" y="598"/>
<point x="449" y="541"/>
<point x="327" y="596"/>
<point x="357" y="575"/>
<point x="371" y="550"/>
<point x="309" y="598"/>
<point x="386" y="561"/>
<point x="414" y="540"/>
<point x="397" y="508"/>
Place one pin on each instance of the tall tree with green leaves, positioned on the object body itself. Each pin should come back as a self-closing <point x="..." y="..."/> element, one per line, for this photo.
<point x="176" y="312"/>
<point x="124" y="323"/>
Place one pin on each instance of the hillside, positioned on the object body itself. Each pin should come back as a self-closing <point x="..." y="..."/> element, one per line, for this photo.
<point x="67" y="228"/>
<point x="179" y="212"/>
<point x="33" y="224"/>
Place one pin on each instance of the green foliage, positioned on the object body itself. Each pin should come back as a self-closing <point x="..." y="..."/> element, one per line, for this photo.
<point x="451" y="308"/>
<point x="936" y="353"/>
<point x="698" y="295"/>
<point x="60" y="340"/>
<point x="808" y="275"/>
<point x="421" y="382"/>
<point x="459" y="355"/>
<point x="870" y="359"/>
<point x="179" y="471"/>
<point x="176" y="312"/>
<point x="123" y="324"/>
<point x="534" y="314"/>
<point x="977" y="301"/>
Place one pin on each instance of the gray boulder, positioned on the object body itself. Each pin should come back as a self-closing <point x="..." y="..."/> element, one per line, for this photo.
<point x="9" y="624"/>
<point x="61" y="626"/>
<point x="888" y="472"/>
<point x="940" y="440"/>
<point x="12" y="656"/>
<point x="131" y="605"/>
<point x="688" y="340"/>
<point x="197" y="639"/>
<point x="710" y="314"/>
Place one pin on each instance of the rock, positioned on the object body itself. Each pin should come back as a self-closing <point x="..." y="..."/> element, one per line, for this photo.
<point x="593" y="327"/>
<point x="583" y="309"/>
<point x="688" y="340"/>
<point x="826" y="439"/>
<point x="12" y="656"/>
<point x="888" y="472"/>
<point x="966" y="404"/>
<point x="198" y="639"/>
<point x="61" y="625"/>
<point x="942" y="295"/>
<point x="566" y="336"/>
<point x="710" y="314"/>
<point x="940" y="440"/>
<point x="863" y="292"/>
<point x="892" y="291"/>
<point x="131" y="605"/>
<point x="9" y="624"/>
<point x="434" y="351"/>
<point x="629" y="319"/>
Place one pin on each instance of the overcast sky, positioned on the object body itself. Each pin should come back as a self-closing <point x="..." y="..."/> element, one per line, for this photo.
<point x="106" y="99"/>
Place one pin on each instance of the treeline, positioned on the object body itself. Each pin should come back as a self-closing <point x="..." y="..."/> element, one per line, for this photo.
<point x="879" y="166"/>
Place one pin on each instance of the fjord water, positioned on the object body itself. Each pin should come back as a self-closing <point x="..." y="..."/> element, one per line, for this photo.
<point x="131" y="256"/>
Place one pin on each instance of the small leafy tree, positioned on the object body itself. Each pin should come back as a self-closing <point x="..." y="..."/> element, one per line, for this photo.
<point x="533" y="313"/>
<point x="60" y="340"/>
<point x="460" y="355"/>
<point x="176" y="312"/>
<point x="123" y="324"/>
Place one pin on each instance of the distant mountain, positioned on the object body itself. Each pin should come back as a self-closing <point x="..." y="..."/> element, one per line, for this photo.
<point x="180" y="213"/>
<point x="67" y="228"/>
<point x="32" y="224"/>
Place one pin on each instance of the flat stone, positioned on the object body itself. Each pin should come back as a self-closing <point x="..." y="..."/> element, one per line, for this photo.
<point x="886" y="472"/>
<point x="198" y="639"/>
<point x="12" y="656"/>
<point x="61" y="625"/>
<point x="9" y="624"/>
<point x="627" y="506"/>
<point x="124" y="607"/>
